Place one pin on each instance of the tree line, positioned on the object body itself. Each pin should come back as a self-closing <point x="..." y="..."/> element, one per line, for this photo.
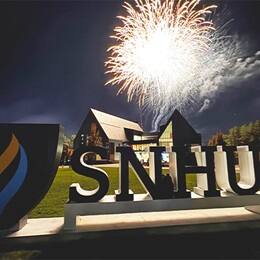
<point x="67" y="149"/>
<point x="238" y="135"/>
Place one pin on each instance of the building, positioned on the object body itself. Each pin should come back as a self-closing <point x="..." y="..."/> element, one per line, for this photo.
<point x="108" y="131"/>
<point x="177" y="131"/>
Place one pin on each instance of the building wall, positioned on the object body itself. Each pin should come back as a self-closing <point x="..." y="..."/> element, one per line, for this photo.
<point x="91" y="134"/>
<point x="116" y="155"/>
<point x="180" y="131"/>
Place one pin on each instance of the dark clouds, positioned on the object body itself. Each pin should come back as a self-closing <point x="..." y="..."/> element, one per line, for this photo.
<point x="51" y="65"/>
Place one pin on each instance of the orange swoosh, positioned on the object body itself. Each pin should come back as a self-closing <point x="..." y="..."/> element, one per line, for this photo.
<point x="9" y="154"/>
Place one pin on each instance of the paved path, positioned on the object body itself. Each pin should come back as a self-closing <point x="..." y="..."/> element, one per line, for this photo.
<point x="190" y="219"/>
<point x="230" y="233"/>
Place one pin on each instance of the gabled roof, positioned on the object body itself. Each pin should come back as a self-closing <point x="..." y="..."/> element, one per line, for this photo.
<point x="183" y="133"/>
<point x="114" y="127"/>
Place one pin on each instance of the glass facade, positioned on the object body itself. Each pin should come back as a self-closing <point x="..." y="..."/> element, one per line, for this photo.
<point x="166" y="137"/>
<point x="95" y="137"/>
<point x="142" y="151"/>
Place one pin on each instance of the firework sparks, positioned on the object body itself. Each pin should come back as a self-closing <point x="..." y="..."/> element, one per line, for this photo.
<point x="164" y="52"/>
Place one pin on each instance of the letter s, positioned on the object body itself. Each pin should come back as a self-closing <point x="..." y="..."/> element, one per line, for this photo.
<point x="76" y="193"/>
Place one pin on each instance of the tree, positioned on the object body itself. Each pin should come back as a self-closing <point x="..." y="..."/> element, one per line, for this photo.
<point x="256" y="130"/>
<point x="233" y="136"/>
<point x="67" y="149"/>
<point x="238" y="135"/>
<point x="250" y="132"/>
<point x="210" y="142"/>
<point x="244" y="134"/>
<point x="217" y="139"/>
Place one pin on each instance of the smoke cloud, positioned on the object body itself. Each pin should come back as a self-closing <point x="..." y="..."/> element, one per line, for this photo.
<point x="239" y="72"/>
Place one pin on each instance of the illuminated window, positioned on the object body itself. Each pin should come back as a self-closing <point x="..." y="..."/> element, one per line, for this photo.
<point x="137" y="138"/>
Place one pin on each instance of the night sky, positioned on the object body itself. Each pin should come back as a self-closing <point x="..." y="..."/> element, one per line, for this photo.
<point x="52" y="66"/>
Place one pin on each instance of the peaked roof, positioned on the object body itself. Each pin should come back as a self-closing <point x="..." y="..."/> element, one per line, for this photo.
<point x="183" y="133"/>
<point x="113" y="126"/>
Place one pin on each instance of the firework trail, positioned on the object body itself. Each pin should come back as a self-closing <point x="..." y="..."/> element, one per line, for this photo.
<point x="167" y="54"/>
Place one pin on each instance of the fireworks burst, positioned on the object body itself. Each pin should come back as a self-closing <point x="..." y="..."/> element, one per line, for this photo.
<point x="165" y="51"/>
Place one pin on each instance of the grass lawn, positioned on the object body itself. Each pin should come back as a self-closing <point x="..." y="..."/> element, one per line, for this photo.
<point x="53" y="203"/>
